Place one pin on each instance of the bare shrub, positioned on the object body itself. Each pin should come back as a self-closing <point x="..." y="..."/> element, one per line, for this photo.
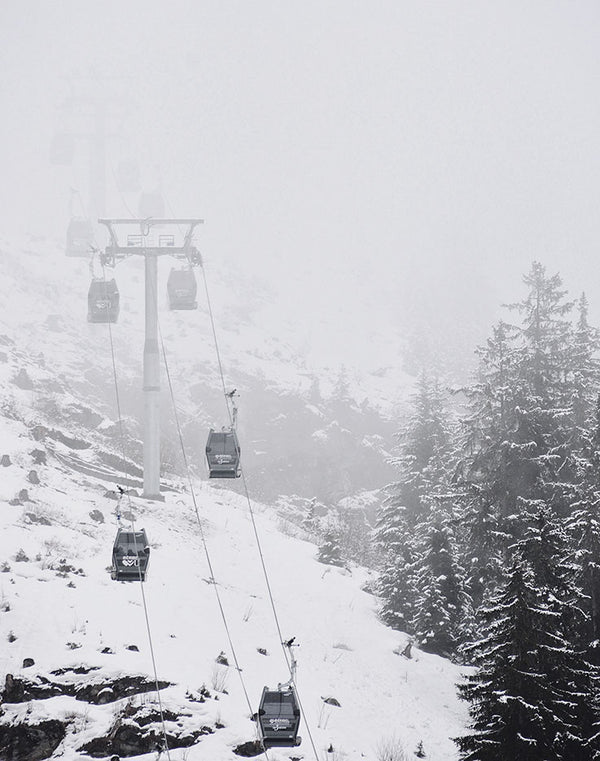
<point x="219" y="678"/>
<point x="341" y="646"/>
<point x="390" y="749"/>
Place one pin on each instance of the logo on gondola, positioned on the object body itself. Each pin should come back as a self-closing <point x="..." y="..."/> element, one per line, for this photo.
<point x="102" y="303"/>
<point x="279" y="723"/>
<point x="130" y="560"/>
<point x="223" y="459"/>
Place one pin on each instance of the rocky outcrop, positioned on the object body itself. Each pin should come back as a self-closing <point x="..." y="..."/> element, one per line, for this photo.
<point x="97" y="691"/>
<point x="31" y="742"/>
<point x="139" y="730"/>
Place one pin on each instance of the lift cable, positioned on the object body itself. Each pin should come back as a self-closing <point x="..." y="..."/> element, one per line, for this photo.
<point x="201" y="528"/>
<point x="120" y="192"/>
<point x="255" y="529"/>
<point x="144" y="602"/>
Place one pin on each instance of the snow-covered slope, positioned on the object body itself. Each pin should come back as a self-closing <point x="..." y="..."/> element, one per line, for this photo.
<point x="61" y="608"/>
<point x="289" y="419"/>
<point x="93" y="642"/>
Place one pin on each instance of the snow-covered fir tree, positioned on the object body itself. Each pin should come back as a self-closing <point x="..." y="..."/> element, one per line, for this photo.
<point x="425" y="441"/>
<point x="525" y="698"/>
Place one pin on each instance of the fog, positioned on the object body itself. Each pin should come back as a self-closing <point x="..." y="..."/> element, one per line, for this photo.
<point x="392" y="163"/>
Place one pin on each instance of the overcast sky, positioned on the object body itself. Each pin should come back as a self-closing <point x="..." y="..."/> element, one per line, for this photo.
<point x="414" y="154"/>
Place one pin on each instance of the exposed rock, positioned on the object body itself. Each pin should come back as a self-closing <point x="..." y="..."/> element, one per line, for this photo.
<point x="68" y="441"/>
<point x="21" y="689"/>
<point x="35" y="518"/>
<point x="137" y="731"/>
<point x="23" y="495"/>
<point x="222" y="659"/>
<point x="97" y="515"/>
<point x="107" y="695"/>
<point x="33" y="477"/>
<point x="75" y="670"/>
<point x="331" y="701"/>
<point x="27" y="662"/>
<point x="249" y="749"/>
<point x="31" y="742"/>
<point x="39" y="456"/>
<point x="5" y="461"/>
<point x="22" y="380"/>
<point x="39" y="432"/>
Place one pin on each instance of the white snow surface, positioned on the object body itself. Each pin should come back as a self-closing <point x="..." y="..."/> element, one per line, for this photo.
<point x="67" y="620"/>
<point x="345" y="652"/>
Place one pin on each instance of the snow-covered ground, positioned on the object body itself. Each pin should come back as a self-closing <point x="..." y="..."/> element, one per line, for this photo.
<point x="60" y="607"/>
<point x="67" y="620"/>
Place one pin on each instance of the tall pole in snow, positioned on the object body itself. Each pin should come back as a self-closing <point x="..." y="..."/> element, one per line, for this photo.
<point x="151" y="383"/>
<point x="141" y="245"/>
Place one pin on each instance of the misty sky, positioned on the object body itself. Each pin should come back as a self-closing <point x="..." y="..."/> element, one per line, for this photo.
<point x="409" y="158"/>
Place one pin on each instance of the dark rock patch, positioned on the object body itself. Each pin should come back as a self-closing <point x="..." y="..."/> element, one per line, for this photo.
<point x="5" y="461"/>
<point x="28" y="662"/>
<point x="75" y="670"/>
<point x="97" y="691"/>
<point x="39" y="519"/>
<point x="137" y="731"/>
<point x="39" y="456"/>
<point x="22" y="380"/>
<point x="68" y="441"/>
<point x="249" y="749"/>
<point x="39" y="432"/>
<point x="31" y="742"/>
<point x="97" y="515"/>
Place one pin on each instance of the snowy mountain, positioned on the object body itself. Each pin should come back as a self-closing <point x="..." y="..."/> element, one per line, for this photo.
<point x="308" y="428"/>
<point x="228" y="579"/>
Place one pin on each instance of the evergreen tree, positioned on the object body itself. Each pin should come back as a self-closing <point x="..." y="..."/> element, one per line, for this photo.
<point x="440" y="602"/>
<point x="524" y="696"/>
<point x="425" y="441"/>
<point x="518" y="443"/>
<point x="396" y="566"/>
<point x="330" y="550"/>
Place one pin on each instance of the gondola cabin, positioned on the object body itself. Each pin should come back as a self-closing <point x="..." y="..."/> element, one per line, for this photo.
<point x="131" y="553"/>
<point x="223" y="454"/>
<point x="80" y="237"/>
<point x="182" y="289"/>
<point x="279" y="717"/>
<point x="103" y="301"/>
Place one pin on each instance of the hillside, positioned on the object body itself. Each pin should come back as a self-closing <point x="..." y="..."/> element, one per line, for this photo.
<point x="313" y="430"/>
<point x="81" y="648"/>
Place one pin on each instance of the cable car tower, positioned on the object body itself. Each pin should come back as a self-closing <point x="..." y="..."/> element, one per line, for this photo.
<point x="144" y="242"/>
